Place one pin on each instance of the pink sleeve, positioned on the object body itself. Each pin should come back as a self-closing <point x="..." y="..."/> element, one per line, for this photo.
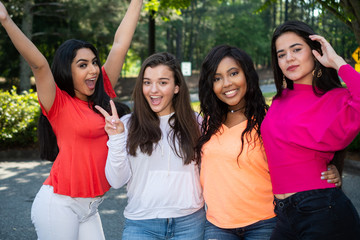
<point x="344" y="125"/>
<point x="107" y="84"/>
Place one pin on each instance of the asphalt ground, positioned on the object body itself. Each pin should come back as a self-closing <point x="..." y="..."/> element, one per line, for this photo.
<point x="20" y="180"/>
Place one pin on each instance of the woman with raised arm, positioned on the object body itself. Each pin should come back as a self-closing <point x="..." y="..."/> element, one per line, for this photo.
<point x="152" y="151"/>
<point x="311" y="118"/>
<point x="66" y="205"/>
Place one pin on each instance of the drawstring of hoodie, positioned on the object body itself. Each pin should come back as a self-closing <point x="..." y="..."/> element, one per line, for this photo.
<point x="162" y="154"/>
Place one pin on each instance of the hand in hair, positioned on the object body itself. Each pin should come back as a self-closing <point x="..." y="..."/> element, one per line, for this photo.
<point x="113" y="125"/>
<point x="329" y="57"/>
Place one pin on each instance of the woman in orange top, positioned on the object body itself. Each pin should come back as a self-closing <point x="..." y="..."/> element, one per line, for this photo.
<point x="234" y="172"/>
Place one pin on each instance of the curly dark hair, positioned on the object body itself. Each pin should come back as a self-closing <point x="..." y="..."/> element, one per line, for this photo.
<point x="215" y="111"/>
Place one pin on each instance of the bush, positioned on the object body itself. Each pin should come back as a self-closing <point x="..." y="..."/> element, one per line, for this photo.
<point x="355" y="145"/>
<point x="19" y="114"/>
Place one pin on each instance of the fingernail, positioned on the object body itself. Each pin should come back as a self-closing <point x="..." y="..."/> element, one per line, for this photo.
<point x="329" y="181"/>
<point x="322" y="177"/>
<point x="112" y="120"/>
<point x="323" y="173"/>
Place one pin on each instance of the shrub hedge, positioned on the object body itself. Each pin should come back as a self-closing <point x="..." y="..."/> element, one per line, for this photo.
<point x="19" y="114"/>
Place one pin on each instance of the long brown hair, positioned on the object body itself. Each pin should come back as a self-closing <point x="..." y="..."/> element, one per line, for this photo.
<point x="144" y="129"/>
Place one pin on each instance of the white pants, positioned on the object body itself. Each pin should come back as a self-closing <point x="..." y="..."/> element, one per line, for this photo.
<point x="59" y="217"/>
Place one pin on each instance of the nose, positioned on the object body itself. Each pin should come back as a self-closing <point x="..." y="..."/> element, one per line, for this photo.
<point x="153" y="88"/>
<point x="93" y="69"/>
<point x="289" y="56"/>
<point x="227" y="82"/>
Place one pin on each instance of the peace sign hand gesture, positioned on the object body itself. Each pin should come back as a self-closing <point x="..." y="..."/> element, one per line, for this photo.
<point x="113" y="125"/>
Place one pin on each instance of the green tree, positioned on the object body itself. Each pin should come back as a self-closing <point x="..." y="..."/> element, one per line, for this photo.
<point x="348" y="11"/>
<point x="166" y="9"/>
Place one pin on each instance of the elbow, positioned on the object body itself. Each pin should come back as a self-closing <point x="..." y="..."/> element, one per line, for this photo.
<point x="38" y="65"/>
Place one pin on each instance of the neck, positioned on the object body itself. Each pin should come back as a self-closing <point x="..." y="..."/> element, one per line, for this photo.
<point x="236" y="110"/>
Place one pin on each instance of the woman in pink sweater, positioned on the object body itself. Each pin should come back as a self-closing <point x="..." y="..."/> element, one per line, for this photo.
<point x="311" y="118"/>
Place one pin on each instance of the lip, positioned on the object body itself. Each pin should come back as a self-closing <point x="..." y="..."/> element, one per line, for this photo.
<point x="231" y="93"/>
<point x="292" y="67"/>
<point x="155" y="100"/>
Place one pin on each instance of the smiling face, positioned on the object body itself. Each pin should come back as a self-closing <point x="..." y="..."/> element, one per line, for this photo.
<point x="85" y="72"/>
<point x="159" y="89"/>
<point x="295" y="58"/>
<point x="230" y="83"/>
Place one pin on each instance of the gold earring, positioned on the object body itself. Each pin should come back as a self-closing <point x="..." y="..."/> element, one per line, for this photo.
<point x="319" y="74"/>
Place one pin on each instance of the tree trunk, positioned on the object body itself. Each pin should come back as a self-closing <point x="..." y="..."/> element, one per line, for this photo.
<point x="26" y="27"/>
<point x="286" y="10"/>
<point x="179" y="41"/>
<point x="151" y="33"/>
<point x="354" y="7"/>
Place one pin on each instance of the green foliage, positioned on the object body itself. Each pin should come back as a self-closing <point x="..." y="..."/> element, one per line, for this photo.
<point x="355" y="145"/>
<point x="18" y="118"/>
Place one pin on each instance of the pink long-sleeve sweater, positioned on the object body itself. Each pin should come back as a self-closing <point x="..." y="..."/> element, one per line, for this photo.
<point x="302" y="131"/>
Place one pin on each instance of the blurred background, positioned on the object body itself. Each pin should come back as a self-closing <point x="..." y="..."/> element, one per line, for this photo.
<point x="186" y="28"/>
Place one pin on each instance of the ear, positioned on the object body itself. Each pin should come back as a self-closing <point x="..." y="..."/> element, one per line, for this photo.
<point x="176" y="90"/>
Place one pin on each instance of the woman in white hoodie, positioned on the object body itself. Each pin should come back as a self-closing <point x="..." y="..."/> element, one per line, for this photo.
<point x="152" y="150"/>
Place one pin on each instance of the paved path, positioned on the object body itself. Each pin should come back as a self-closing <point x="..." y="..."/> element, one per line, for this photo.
<point x="20" y="181"/>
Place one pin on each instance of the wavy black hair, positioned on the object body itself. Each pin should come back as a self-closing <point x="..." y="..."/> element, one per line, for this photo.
<point x="214" y="110"/>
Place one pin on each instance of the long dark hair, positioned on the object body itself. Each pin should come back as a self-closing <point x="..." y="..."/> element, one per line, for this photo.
<point x="214" y="110"/>
<point x="61" y="70"/>
<point x="327" y="81"/>
<point x="144" y="129"/>
<point x="321" y="84"/>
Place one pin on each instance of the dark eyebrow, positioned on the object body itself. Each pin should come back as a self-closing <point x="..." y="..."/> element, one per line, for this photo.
<point x="162" y="78"/>
<point x="81" y="60"/>
<point x="85" y="60"/>
<point x="295" y="44"/>
<point x="291" y="46"/>
<point x="229" y="70"/>
<point x="232" y="69"/>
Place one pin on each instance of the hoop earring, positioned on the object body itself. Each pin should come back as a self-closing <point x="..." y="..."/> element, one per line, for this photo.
<point x="319" y="73"/>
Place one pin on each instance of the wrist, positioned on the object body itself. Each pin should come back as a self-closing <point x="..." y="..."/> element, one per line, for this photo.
<point x="339" y="62"/>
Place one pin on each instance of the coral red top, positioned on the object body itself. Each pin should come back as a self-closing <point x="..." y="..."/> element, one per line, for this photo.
<point x="79" y="169"/>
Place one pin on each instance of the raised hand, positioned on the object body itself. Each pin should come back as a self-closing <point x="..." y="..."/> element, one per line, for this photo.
<point x="329" y="57"/>
<point x="3" y="12"/>
<point x="113" y="125"/>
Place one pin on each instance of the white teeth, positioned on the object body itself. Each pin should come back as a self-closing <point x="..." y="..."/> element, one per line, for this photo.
<point x="155" y="97"/>
<point x="230" y="92"/>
